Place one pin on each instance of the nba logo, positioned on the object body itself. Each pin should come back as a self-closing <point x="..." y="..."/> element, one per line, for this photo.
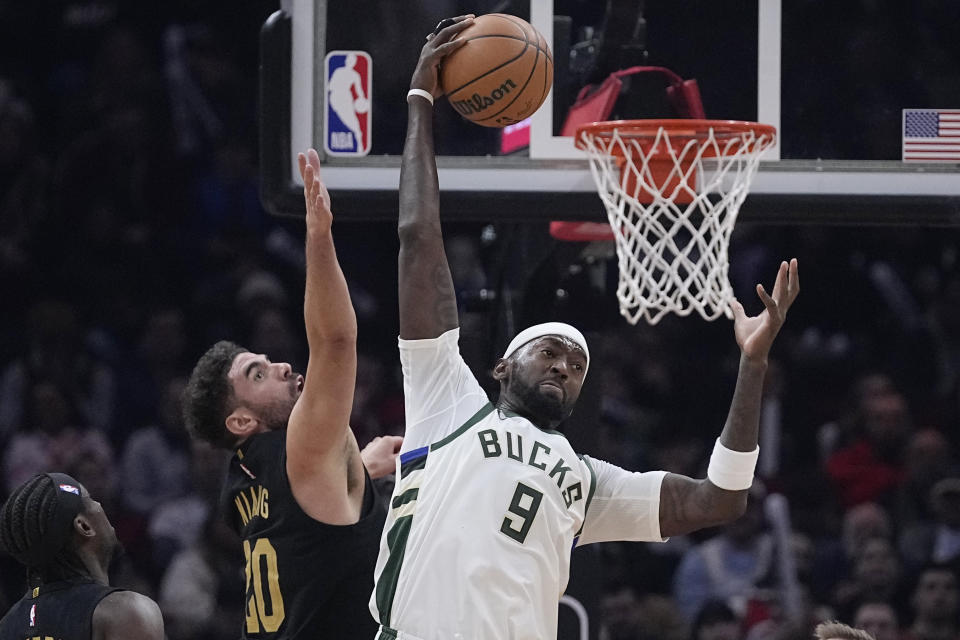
<point x="346" y="114"/>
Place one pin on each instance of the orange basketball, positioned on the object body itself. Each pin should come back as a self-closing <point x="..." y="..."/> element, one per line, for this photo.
<point x="502" y="74"/>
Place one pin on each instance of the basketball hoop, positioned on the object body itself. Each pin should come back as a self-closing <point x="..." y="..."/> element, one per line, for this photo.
<point x="672" y="190"/>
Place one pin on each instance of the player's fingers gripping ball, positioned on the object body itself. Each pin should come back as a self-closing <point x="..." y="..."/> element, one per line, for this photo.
<point x="502" y="74"/>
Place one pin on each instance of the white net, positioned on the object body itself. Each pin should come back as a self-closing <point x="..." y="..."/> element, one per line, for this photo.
<point x="672" y="199"/>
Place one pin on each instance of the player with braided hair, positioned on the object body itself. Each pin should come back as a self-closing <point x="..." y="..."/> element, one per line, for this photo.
<point x="52" y="526"/>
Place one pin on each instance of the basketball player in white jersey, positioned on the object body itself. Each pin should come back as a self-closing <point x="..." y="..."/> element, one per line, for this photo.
<point x="490" y="500"/>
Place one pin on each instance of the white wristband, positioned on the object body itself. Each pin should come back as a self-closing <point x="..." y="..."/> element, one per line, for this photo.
<point x="420" y="92"/>
<point x="732" y="470"/>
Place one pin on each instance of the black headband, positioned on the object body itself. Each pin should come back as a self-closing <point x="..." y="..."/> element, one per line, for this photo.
<point x="68" y="505"/>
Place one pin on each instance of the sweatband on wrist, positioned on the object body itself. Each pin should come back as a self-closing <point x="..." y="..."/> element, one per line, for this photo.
<point x="732" y="470"/>
<point x="420" y="92"/>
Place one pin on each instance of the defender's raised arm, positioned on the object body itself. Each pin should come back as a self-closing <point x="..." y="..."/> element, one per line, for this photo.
<point x="321" y="449"/>
<point x="428" y="303"/>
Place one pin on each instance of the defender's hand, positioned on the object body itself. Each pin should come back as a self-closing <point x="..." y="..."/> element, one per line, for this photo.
<point x="380" y="455"/>
<point x="755" y="334"/>
<point x="439" y="44"/>
<point x="319" y="216"/>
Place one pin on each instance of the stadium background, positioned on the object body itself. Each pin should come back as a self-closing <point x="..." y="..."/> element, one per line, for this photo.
<point x="132" y="236"/>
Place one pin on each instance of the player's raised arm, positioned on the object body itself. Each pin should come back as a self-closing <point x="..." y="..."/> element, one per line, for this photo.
<point x="322" y="453"/>
<point x="686" y="504"/>
<point x="428" y="304"/>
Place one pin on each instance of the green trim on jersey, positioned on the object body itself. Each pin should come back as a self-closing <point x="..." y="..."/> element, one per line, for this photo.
<point x="407" y="496"/>
<point x="387" y="585"/>
<point x="386" y="633"/>
<point x="593" y="487"/>
<point x="484" y="411"/>
<point x="386" y="588"/>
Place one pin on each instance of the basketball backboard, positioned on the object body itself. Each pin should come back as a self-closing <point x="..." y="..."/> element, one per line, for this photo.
<point x="836" y="82"/>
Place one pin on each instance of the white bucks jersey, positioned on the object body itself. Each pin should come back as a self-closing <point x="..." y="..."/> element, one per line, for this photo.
<point x="486" y="511"/>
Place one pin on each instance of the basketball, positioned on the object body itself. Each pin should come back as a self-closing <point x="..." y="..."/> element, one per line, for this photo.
<point x="502" y="74"/>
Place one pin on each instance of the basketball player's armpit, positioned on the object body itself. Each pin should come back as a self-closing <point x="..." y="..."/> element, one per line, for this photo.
<point x="688" y="505"/>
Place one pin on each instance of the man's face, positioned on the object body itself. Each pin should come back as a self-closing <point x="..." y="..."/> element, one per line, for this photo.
<point x="547" y="377"/>
<point x="936" y="594"/>
<point x="106" y="539"/>
<point x="621" y="614"/>
<point x="877" y="619"/>
<point x="269" y="389"/>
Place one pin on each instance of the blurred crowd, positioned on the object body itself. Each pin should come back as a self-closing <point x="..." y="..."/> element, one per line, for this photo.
<point x="132" y="237"/>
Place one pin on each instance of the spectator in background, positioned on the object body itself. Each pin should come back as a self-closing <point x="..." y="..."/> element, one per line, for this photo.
<point x="24" y="187"/>
<point x="716" y="621"/>
<point x="51" y="438"/>
<point x="936" y="539"/>
<point x="875" y="575"/>
<point x="176" y="524"/>
<point x="934" y="604"/>
<point x="620" y="613"/>
<point x="781" y="608"/>
<point x="729" y="566"/>
<point x="879" y="619"/>
<point x="159" y="360"/>
<point x="863" y="522"/>
<point x="156" y="458"/>
<point x="833" y="554"/>
<point x="201" y="589"/>
<point x="863" y="391"/>
<point x="928" y="459"/>
<point x="55" y="353"/>
<point x="626" y="615"/>
<point x="870" y="467"/>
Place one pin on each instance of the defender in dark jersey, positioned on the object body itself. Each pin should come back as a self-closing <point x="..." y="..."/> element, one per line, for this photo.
<point x="52" y="526"/>
<point x="299" y="489"/>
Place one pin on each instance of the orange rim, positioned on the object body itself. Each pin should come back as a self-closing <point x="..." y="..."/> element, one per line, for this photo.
<point x="679" y="130"/>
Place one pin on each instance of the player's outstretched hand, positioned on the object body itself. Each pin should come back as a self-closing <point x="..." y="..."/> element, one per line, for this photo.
<point x="440" y="43"/>
<point x="319" y="216"/>
<point x="380" y="455"/>
<point x="755" y="334"/>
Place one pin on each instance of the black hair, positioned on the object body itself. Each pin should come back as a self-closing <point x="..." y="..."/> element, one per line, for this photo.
<point x="208" y="398"/>
<point x="25" y="518"/>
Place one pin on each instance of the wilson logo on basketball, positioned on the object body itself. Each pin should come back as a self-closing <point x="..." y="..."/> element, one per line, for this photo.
<point x="477" y="103"/>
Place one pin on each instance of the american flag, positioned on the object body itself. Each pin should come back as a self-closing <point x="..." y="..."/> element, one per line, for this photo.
<point x="931" y="135"/>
